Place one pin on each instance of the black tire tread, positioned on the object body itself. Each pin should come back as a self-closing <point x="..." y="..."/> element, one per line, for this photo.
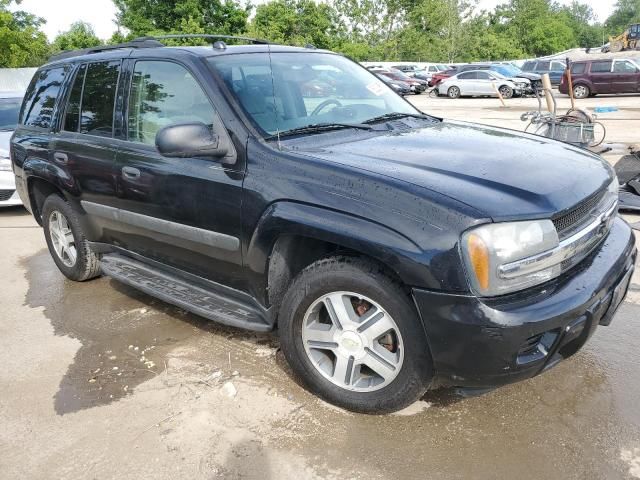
<point x="87" y="265"/>
<point x="403" y="394"/>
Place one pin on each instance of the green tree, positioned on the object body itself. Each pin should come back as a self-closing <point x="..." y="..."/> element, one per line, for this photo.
<point x="79" y="35"/>
<point x="22" y="43"/>
<point x="144" y="17"/>
<point x="581" y="18"/>
<point x="296" y="22"/>
<point x="537" y="24"/>
<point x="624" y="14"/>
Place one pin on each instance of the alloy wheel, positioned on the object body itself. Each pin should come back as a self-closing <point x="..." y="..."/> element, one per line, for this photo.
<point x="352" y="341"/>
<point x="62" y="238"/>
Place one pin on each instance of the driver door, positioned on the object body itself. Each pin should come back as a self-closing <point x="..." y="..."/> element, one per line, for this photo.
<point x="183" y="212"/>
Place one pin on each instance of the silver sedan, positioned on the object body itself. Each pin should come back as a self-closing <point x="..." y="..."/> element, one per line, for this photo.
<point x="481" y="83"/>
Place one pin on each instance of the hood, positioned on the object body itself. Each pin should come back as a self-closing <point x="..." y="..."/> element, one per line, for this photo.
<point x="504" y="174"/>
<point x="529" y="76"/>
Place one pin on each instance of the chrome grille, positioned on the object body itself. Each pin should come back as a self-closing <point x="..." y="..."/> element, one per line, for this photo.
<point x="570" y="221"/>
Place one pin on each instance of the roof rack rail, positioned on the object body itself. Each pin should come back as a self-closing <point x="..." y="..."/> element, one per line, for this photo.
<point x="154" y="42"/>
<point x="255" y="41"/>
<point x="146" y="42"/>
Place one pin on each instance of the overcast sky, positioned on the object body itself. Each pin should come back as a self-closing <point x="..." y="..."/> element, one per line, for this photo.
<point x="101" y="13"/>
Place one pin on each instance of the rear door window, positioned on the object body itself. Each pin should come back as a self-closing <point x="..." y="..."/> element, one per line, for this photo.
<point x="468" y="76"/>
<point x="98" y="98"/>
<point x="544" y="66"/>
<point x="72" y="113"/>
<point x="162" y="94"/>
<point x="601" y="67"/>
<point x="40" y="99"/>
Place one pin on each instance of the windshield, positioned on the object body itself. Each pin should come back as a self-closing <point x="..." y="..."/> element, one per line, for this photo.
<point x="306" y="89"/>
<point x="506" y="70"/>
<point x="9" y="111"/>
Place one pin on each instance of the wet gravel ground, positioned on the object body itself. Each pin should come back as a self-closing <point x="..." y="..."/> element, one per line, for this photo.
<point x="101" y="381"/>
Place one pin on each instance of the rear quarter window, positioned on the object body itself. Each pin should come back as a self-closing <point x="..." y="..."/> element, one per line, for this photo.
<point x="578" y="68"/>
<point x="40" y="100"/>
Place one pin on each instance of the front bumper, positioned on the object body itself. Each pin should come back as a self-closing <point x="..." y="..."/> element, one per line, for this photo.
<point x="8" y="193"/>
<point x="484" y="343"/>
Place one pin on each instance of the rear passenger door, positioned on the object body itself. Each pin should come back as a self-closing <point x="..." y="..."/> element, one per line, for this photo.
<point x="83" y="143"/>
<point x="184" y="212"/>
<point x="601" y="76"/>
<point x="484" y="84"/>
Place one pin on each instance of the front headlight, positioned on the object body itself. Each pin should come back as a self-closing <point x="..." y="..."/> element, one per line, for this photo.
<point x="488" y="247"/>
<point x="501" y="258"/>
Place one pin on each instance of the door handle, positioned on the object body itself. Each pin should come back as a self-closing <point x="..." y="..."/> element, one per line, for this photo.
<point x="61" y="157"/>
<point x="130" y="172"/>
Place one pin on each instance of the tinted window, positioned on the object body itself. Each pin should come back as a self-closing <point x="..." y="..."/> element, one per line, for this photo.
<point x="624" y="67"/>
<point x="72" y="114"/>
<point x="601" y="67"/>
<point x="543" y="66"/>
<point x="578" y="68"/>
<point x="9" y="110"/>
<point x="162" y="94"/>
<point x="483" y="76"/>
<point x="467" y="76"/>
<point x="529" y="66"/>
<point x="41" y="97"/>
<point x="558" y="66"/>
<point x="98" y="98"/>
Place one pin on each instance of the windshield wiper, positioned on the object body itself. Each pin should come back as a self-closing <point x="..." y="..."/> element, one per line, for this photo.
<point x="394" y="115"/>
<point x="318" y="128"/>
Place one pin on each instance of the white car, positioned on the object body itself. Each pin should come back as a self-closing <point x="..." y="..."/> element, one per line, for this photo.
<point x="10" y="103"/>
<point x="482" y="83"/>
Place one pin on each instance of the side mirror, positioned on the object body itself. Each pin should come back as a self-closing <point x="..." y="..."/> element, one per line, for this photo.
<point x="189" y="140"/>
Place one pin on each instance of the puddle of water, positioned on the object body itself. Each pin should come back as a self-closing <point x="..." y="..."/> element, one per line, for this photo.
<point x="125" y="334"/>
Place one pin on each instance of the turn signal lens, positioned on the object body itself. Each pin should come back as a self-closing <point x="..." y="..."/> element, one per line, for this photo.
<point x="479" y="259"/>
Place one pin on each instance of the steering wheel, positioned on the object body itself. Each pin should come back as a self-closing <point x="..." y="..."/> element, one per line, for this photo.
<point x="326" y="103"/>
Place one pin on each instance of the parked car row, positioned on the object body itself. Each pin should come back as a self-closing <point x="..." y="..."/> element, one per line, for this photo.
<point x="400" y="81"/>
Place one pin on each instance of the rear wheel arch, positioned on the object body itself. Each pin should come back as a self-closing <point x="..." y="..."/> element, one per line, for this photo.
<point x="39" y="189"/>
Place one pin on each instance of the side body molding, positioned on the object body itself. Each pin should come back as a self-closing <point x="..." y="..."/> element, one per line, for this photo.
<point x="172" y="229"/>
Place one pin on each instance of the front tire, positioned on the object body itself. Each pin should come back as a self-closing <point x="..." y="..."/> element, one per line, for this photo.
<point x="353" y="337"/>
<point x="581" y="91"/>
<point x="66" y="241"/>
<point x="506" y="91"/>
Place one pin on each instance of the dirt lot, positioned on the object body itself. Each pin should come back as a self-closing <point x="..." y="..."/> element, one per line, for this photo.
<point x="100" y="381"/>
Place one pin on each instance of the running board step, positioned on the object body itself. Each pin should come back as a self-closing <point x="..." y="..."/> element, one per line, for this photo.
<point x="182" y="293"/>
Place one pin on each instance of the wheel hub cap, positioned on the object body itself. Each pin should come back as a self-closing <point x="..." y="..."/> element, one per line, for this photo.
<point x="62" y="238"/>
<point x="352" y="341"/>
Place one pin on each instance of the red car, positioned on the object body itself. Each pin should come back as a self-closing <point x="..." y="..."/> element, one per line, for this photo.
<point x="417" y="86"/>
<point x="592" y="77"/>
<point x="440" y="76"/>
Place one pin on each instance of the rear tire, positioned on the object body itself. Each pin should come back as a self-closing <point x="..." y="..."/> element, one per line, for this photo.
<point x="66" y="241"/>
<point x="453" y="92"/>
<point x="581" y="91"/>
<point x="322" y="336"/>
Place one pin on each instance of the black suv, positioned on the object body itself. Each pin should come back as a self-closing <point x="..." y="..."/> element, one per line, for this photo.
<point x="267" y="186"/>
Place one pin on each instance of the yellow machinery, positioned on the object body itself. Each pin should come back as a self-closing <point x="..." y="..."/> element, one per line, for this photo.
<point x="629" y="40"/>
